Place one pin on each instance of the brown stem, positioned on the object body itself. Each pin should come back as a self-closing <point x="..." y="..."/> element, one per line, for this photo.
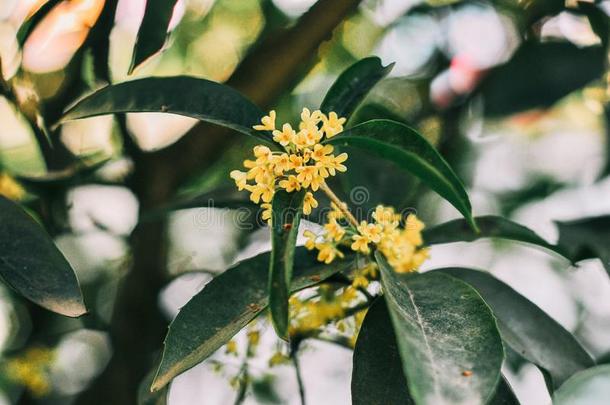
<point x="340" y="204"/>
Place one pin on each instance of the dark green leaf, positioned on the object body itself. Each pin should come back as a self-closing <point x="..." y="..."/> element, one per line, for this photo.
<point x="527" y="329"/>
<point x="410" y="151"/>
<point x="352" y="86"/>
<point x="153" y="30"/>
<point x="32" y="265"/>
<point x="286" y="217"/>
<point x="504" y="394"/>
<point x="227" y="304"/>
<point x="146" y="397"/>
<point x="586" y="238"/>
<point x="490" y="226"/>
<point x="589" y="387"/>
<point x="192" y="97"/>
<point x="377" y="377"/>
<point x="538" y="75"/>
<point x="447" y="337"/>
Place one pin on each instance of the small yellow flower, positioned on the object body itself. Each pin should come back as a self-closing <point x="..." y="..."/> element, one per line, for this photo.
<point x="334" y="230"/>
<point x="322" y="153"/>
<point x="296" y="162"/>
<point x="337" y="164"/>
<point x="261" y="191"/>
<point x="309" y="136"/>
<point x="371" y="231"/>
<point x="385" y="216"/>
<point x="309" y="202"/>
<point x="240" y="179"/>
<point x="413" y="228"/>
<point x="360" y="281"/>
<point x="262" y="153"/>
<point x="231" y="348"/>
<point x="254" y="337"/>
<point x="309" y="119"/>
<point x="290" y="184"/>
<point x="333" y="125"/>
<point x="286" y="136"/>
<point x="310" y="243"/>
<point x="361" y="244"/>
<point x="281" y="163"/>
<point x="267" y="211"/>
<point x="335" y="212"/>
<point x="306" y="174"/>
<point x="268" y="122"/>
<point x="9" y="188"/>
<point x="278" y="359"/>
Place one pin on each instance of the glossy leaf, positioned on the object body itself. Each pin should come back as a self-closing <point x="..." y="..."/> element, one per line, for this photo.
<point x="447" y="337"/>
<point x="183" y="95"/>
<point x="586" y="238"/>
<point x="527" y="329"/>
<point x="153" y="30"/>
<point x="227" y="304"/>
<point x="286" y="217"/>
<point x="352" y="86"/>
<point x="410" y="151"/>
<point x="589" y="387"/>
<point x="490" y="226"/>
<point x="377" y="376"/>
<point x="538" y="75"/>
<point x="32" y="265"/>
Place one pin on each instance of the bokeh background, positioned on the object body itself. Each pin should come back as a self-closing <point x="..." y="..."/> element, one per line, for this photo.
<point x="524" y="150"/>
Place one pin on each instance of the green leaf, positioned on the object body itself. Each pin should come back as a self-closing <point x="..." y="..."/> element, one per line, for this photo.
<point x="490" y="226"/>
<point x="527" y="329"/>
<point x="377" y="376"/>
<point x="153" y="30"/>
<point x="146" y="397"/>
<point x="183" y="95"/>
<point x="538" y="75"/>
<point x="447" y="337"/>
<point x="409" y="150"/>
<point x="352" y="86"/>
<point x="586" y="238"/>
<point x="226" y="305"/>
<point x="32" y="265"/>
<point x="286" y="217"/>
<point x="589" y="387"/>
<point x="504" y="394"/>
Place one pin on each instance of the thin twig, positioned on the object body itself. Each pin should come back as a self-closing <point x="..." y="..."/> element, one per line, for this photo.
<point x="340" y="204"/>
<point x="294" y="355"/>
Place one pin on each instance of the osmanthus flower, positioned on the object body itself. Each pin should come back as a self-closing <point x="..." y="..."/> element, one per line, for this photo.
<point x="9" y="188"/>
<point x="402" y="246"/>
<point x="304" y="163"/>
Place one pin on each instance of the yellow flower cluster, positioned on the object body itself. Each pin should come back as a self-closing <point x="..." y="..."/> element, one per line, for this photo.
<point x="9" y="188"/>
<point x="31" y="370"/>
<point x="401" y="246"/>
<point x="304" y="162"/>
<point x="309" y="314"/>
